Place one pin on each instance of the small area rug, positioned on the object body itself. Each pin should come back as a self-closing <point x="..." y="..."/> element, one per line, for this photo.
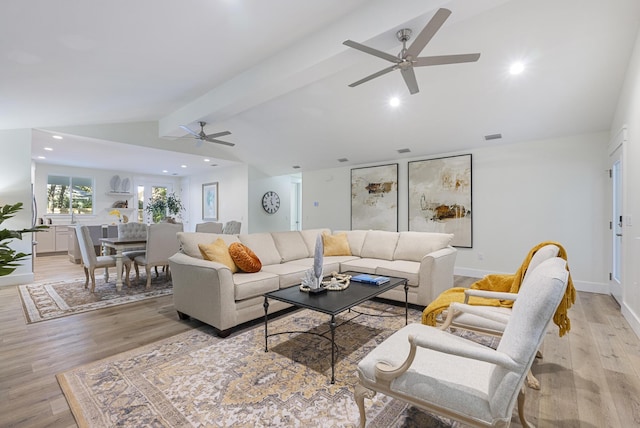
<point x="43" y="301"/>
<point x="197" y="379"/>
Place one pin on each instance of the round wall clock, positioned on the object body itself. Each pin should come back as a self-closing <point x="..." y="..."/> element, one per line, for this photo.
<point x="271" y="202"/>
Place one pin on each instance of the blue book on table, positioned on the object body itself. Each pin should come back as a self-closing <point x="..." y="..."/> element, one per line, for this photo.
<point x="370" y="279"/>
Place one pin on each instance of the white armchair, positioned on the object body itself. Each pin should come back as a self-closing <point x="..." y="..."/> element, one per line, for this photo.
<point x="460" y="379"/>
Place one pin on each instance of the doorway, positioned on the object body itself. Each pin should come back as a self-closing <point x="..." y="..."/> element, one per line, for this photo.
<point x="617" y="218"/>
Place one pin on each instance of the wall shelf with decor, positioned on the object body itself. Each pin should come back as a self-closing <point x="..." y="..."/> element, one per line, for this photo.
<point x="128" y="194"/>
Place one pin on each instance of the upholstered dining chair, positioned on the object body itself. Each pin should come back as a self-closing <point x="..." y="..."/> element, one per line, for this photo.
<point x="209" y="227"/>
<point x="162" y="243"/>
<point x="446" y="374"/>
<point x="91" y="262"/>
<point x="232" y="227"/>
<point x="133" y="230"/>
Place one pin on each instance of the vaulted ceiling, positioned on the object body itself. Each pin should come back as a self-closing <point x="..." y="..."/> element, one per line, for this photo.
<point x="276" y="74"/>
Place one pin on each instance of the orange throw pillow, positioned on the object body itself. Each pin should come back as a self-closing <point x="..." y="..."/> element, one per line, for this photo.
<point x="217" y="251"/>
<point x="244" y="258"/>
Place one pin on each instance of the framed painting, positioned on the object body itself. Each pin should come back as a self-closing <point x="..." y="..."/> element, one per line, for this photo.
<point x="440" y="197"/>
<point x="374" y="198"/>
<point x="210" y="201"/>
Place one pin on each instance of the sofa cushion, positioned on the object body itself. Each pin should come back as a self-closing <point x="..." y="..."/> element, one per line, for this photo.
<point x="360" y="265"/>
<point x="244" y="258"/>
<point x="189" y="241"/>
<point x="400" y="268"/>
<point x="263" y="246"/>
<point x="415" y="245"/>
<point x="247" y="285"/>
<point x="356" y="240"/>
<point x="218" y="251"/>
<point x="290" y="245"/>
<point x="289" y="274"/>
<point x="379" y="244"/>
<point x="336" y="245"/>
<point x="310" y="236"/>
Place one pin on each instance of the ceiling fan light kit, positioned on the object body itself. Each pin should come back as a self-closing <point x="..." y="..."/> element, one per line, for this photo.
<point x="408" y="58"/>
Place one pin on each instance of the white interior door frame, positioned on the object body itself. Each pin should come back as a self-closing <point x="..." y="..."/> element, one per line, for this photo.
<point x="617" y="219"/>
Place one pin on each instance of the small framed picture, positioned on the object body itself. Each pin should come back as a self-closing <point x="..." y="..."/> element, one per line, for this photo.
<point x="210" y="201"/>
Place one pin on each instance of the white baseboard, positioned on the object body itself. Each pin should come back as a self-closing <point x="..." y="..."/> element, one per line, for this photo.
<point x="632" y="318"/>
<point x="589" y="287"/>
<point x="24" y="278"/>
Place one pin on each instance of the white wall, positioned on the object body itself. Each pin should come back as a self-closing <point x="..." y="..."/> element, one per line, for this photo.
<point x="15" y="186"/>
<point x="259" y="219"/>
<point x="628" y="113"/>
<point x="523" y="194"/>
<point x="233" y="185"/>
<point x="102" y="201"/>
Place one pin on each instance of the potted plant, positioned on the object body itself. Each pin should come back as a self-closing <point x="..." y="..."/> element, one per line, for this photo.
<point x="161" y="207"/>
<point x="9" y="258"/>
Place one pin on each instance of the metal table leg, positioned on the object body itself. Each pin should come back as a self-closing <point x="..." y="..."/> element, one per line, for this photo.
<point x="266" y="309"/>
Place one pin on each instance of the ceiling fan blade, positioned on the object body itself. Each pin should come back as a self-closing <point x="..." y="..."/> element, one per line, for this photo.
<point x="428" y="32"/>
<point x="445" y="59"/>
<point x="410" y="79"/>
<point x="189" y="131"/>
<point x="371" y="51"/>
<point x="373" y="76"/>
<point x="213" y="140"/>
<point x="218" y="134"/>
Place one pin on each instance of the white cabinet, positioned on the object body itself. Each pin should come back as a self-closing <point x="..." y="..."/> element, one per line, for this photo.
<point x="55" y="239"/>
<point x="46" y="241"/>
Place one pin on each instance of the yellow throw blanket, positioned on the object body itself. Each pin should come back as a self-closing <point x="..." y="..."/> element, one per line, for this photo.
<point x="503" y="283"/>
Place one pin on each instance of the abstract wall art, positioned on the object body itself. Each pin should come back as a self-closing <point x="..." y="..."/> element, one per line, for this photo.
<point x="374" y="198"/>
<point x="440" y="197"/>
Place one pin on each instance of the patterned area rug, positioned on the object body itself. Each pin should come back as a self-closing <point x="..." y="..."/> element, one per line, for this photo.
<point x="43" y="301"/>
<point x="197" y="379"/>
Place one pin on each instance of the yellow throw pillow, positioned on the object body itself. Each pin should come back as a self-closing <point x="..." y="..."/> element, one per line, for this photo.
<point x="336" y="245"/>
<point x="218" y="251"/>
<point x="245" y="258"/>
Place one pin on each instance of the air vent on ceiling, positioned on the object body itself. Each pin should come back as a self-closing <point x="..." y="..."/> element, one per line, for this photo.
<point x="296" y="167"/>
<point x="404" y="151"/>
<point x="343" y="160"/>
<point x="493" y="137"/>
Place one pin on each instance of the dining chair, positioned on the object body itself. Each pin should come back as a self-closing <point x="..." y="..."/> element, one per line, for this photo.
<point x="209" y="227"/>
<point x="133" y="230"/>
<point x="232" y="227"/>
<point x="162" y="243"/>
<point x="91" y="261"/>
<point x="460" y="379"/>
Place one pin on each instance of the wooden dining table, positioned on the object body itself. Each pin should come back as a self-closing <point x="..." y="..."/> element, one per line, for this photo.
<point x="120" y="245"/>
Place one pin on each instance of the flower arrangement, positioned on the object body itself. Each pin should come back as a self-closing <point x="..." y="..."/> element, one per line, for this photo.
<point x="116" y="213"/>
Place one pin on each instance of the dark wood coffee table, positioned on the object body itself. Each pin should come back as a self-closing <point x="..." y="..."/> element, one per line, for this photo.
<point x="332" y="303"/>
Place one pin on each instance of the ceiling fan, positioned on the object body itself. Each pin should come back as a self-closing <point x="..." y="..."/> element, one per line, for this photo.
<point x="408" y="58"/>
<point x="212" y="138"/>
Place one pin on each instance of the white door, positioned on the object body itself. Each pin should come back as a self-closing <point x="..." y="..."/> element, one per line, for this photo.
<point x="617" y="218"/>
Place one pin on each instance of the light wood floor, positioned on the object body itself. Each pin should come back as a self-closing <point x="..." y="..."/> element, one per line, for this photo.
<point x="590" y="378"/>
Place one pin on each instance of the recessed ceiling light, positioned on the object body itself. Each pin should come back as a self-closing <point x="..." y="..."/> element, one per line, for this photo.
<point x="57" y="137"/>
<point x="516" y="68"/>
<point x="183" y="166"/>
<point x="41" y="157"/>
<point x="165" y="171"/>
<point x="49" y="149"/>
<point x="394" y="102"/>
<point x="207" y="160"/>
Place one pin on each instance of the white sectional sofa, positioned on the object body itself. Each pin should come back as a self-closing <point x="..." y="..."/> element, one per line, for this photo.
<point x="211" y="293"/>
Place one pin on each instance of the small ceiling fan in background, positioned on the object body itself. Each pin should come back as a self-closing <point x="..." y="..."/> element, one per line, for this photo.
<point x="408" y="58"/>
<point x="212" y="138"/>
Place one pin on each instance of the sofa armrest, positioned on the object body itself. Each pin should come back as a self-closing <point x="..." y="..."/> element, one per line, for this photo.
<point x="436" y="274"/>
<point x="203" y="290"/>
